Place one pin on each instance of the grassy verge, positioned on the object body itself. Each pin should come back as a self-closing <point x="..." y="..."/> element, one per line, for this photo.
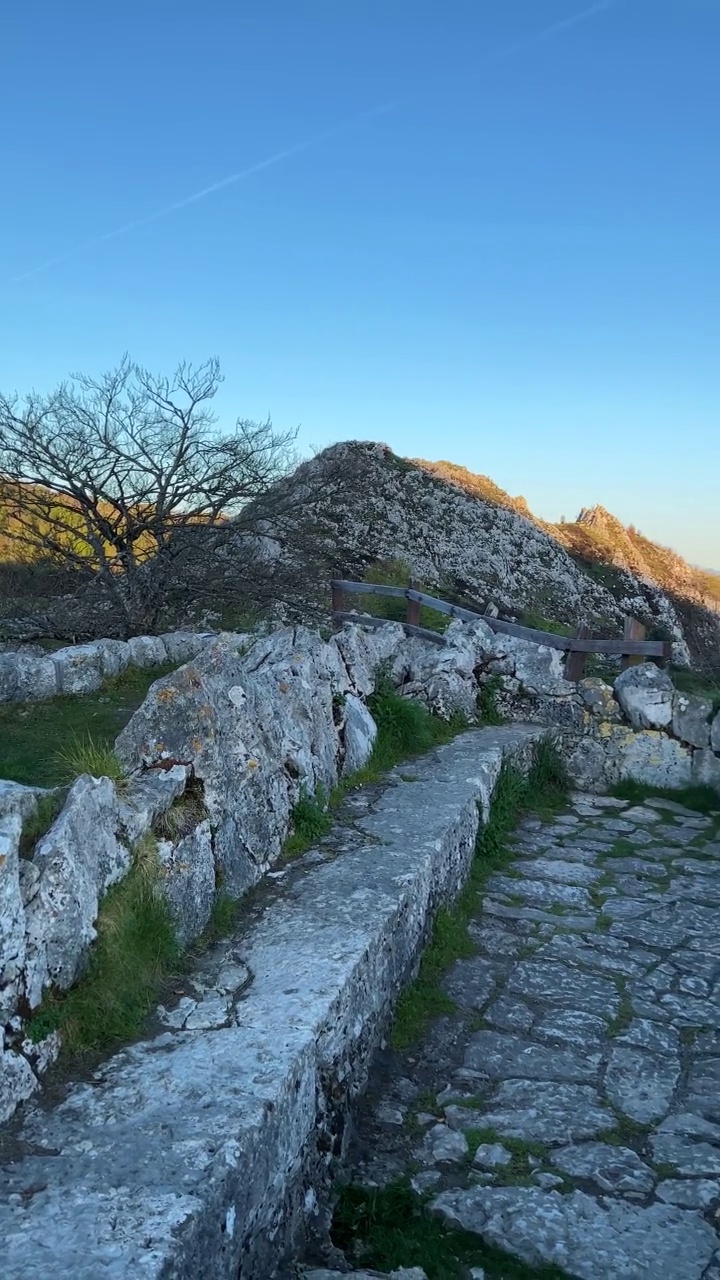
<point x="46" y="744"/>
<point x="136" y="954"/>
<point x="390" y="1228"/>
<point x="405" y="728"/>
<point x="135" y="950"/>
<point x="703" y="799"/>
<point x="544" y="791"/>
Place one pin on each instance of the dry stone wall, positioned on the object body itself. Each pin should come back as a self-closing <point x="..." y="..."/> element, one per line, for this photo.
<point x="223" y="747"/>
<point x="28" y="675"/>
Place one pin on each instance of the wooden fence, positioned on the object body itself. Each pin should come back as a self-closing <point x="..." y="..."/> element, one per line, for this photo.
<point x="632" y="646"/>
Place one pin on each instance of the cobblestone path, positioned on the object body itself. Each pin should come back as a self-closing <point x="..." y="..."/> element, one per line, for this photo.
<point x="569" y="1111"/>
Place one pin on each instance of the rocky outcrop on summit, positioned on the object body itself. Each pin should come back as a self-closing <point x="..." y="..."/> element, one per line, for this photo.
<point x="461" y="535"/>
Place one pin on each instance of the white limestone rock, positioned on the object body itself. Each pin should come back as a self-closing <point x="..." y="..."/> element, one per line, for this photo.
<point x="78" y="859"/>
<point x="359" y="734"/>
<point x="187" y="881"/>
<point x="147" y="651"/>
<point x="691" y="719"/>
<point x="646" y="693"/>
<point x="12" y="917"/>
<point x="79" y="668"/>
<point x="706" y="769"/>
<point x="26" y="678"/>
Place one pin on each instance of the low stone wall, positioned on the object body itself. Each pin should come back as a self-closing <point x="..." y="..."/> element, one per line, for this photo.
<point x="29" y="676"/>
<point x="209" y="1149"/>
<point x="222" y="749"/>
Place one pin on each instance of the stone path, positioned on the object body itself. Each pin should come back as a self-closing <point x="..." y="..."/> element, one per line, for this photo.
<point x="569" y="1112"/>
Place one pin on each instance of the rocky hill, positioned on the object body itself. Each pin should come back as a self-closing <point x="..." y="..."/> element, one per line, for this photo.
<point x="461" y="532"/>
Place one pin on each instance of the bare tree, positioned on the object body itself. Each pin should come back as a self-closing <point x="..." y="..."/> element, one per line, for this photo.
<point x="103" y="476"/>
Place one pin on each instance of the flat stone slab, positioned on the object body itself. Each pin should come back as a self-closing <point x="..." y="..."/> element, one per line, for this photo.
<point x="611" y="1168"/>
<point x="540" y="1111"/>
<point x="558" y="984"/>
<point x="589" y="1240"/>
<point x="641" y="1084"/>
<point x="503" y="1057"/>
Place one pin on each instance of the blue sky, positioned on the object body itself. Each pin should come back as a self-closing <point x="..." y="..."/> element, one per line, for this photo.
<point x="502" y="250"/>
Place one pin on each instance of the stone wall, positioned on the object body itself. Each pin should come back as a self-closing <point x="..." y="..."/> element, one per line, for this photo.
<point x="29" y="675"/>
<point x="223" y="747"/>
<point x="210" y="1147"/>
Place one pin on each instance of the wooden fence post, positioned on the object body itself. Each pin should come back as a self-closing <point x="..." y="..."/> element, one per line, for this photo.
<point x="337" y="602"/>
<point x="575" y="662"/>
<point x="632" y="630"/>
<point x="413" y="608"/>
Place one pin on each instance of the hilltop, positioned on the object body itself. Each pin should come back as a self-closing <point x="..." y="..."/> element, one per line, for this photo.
<point x="462" y="532"/>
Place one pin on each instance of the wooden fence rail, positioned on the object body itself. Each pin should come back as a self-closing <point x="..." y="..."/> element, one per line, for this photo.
<point x="631" y="646"/>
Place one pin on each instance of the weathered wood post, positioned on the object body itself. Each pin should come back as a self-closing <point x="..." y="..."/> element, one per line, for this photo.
<point x="337" y="603"/>
<point x="413" y="607"/>
<point x="632" y="630"/>
<point x="576" y="659"/>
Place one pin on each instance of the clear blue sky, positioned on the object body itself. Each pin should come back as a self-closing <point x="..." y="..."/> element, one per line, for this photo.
<point x="514" y="266"/>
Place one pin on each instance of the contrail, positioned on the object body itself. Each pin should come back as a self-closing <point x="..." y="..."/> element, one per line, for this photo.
<point x="562" y="25"/>
<point x="285" y="154"/>
<point x="208" y="191"/>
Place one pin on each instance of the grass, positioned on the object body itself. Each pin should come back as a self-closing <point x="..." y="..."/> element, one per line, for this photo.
<point x="537" y="622"/>
<point x="83" y="754"/>
<point x="135" y="950"/>
<point x="184" y="814"/>
<point x="36" y="738"/>
<point x="390" y="1228"/>
<point x="543" y="790"/>
<point x="703" y="799"/>
<point x="487" y="702"/>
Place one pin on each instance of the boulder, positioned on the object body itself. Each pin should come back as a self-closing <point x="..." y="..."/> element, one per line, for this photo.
<point x="255" y="730"/>
<point x="706" y="769"/>
<point x="147" y="651"/>
<point x="646" y="693"/>
<point x="114" y="656"/>
<point x="187" y="881"/>
<point x="654" y="759"/>
<point x="586" y="762"/>
<point x="715" y="733"/>
<point x="78" y="859"/>
<point x="26" y="678"/>
<point x="12" y="917"/>
<point x="691" y="719"/>
<point x="79" y="668"/>
<point x="441" y="675"/>
<point x="16" y="798"/>
<point x="145" y="797"/>
<point x="359" y="734"/>
<point x="538" y="667"/>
